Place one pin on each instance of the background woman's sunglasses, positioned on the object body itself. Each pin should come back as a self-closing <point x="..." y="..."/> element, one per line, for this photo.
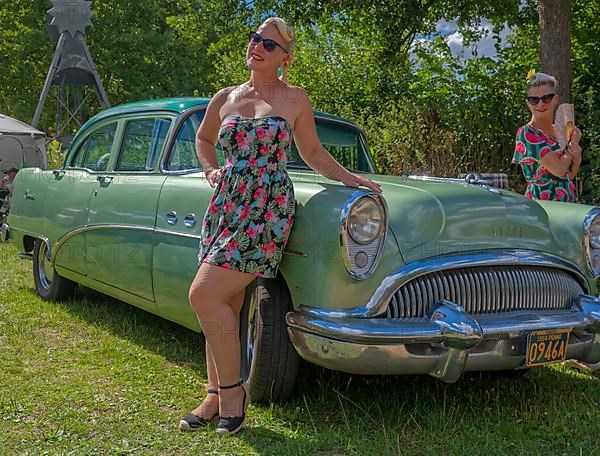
<point x="545" y="98"/>
<point x="268" y="44"/>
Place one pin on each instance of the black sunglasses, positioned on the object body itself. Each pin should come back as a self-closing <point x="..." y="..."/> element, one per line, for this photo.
<point x="268" y="44"/>
<point x="545" y="98"/>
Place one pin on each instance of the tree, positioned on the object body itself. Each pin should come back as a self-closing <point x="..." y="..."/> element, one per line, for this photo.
<point x="555" y="43"/>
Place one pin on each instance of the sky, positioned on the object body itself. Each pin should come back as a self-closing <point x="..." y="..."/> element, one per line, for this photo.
<point x="485" y="46"/>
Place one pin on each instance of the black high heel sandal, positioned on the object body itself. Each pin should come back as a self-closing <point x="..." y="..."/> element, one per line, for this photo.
<point x="192" y="422"/>
<point x="229" y="425"/>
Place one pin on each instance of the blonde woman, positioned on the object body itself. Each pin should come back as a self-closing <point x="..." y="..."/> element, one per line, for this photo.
<point x="249" y="218"/>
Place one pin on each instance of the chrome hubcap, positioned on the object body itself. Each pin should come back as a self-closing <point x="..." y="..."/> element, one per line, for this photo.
<point x="250" y="336"/>
<point x="45" y="269"/>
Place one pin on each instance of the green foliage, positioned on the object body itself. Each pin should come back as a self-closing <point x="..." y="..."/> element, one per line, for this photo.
<point x="380" y="63"/>
<point x="56" y="154"/>
<point x="25" y="55"/>
<point x="586" y="89"/>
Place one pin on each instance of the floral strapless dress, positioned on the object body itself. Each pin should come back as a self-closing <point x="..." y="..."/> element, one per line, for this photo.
<point x="250" y="215"/>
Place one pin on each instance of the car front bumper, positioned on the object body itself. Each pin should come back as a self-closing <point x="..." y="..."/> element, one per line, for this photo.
<point x="446" y="344"/>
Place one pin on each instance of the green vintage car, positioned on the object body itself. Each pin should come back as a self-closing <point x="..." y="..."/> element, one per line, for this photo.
<point x="434" y="276"/>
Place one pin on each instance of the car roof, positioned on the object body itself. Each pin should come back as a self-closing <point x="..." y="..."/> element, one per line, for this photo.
<point x="177" y="105"/>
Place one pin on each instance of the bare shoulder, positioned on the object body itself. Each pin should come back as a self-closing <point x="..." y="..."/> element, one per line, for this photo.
<point x="296" y="93"/>
<point x="220" y="98"/>
<point x="298" y="99"/>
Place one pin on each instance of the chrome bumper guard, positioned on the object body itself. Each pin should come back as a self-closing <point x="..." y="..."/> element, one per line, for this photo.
<point x="4" y="230"/>
<point x="445" y="344"/>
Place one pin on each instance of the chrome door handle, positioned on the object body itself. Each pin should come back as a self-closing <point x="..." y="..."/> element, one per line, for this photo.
<point x="29" y="195"/>
<point x="189" y="220"/>
<point x="172" y="218"/>
<point x="104" y="179"/>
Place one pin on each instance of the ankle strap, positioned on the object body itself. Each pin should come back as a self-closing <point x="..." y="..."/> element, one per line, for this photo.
<point x="212" y="391"/>
<point x="231" y="386"/>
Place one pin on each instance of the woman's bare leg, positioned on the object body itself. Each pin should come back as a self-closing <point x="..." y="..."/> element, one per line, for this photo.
<point x="210" y="405"/>
<point x="215" y="297"/>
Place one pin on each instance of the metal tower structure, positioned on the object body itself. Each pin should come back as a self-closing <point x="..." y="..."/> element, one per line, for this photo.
<point x="72" y="68"/>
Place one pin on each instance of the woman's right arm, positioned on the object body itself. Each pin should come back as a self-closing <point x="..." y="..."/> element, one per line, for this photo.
<point x="206" y="136"/>
<point x="569" y="158"/>
<point x="557" y="164"/>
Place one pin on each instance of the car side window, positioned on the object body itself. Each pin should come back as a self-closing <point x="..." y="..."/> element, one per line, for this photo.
<point x="142" y="144"/>
<point x="183" y="153"/>
<point x="95" y="152"/>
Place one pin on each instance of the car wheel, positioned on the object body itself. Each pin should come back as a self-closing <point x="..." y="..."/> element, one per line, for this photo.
<point x="48" y="284"/>
<point x="269" y="360"/>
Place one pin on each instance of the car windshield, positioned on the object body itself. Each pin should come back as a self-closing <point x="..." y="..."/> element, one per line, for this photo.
<point x="344" y="142"/>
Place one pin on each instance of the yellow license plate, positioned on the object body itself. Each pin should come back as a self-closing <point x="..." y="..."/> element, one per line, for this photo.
<point x="545" y="347"/>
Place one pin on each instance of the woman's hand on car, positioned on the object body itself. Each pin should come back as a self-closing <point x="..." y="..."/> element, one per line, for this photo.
<point x="356" y="180"/>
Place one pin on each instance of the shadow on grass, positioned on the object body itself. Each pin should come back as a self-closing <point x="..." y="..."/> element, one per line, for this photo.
<point x="334" y="409"/>
<point x="176" y="343"/>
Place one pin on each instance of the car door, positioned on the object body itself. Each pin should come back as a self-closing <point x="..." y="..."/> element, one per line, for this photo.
<point x="69" y="192"/>
<point x="122" y="212"/>
<point x="183" y="201"/>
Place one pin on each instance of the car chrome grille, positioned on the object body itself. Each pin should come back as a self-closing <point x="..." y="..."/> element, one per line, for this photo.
<point x="487" y="290"/>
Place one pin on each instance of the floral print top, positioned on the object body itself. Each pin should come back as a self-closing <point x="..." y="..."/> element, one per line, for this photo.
<point x="251" y="212"/>
<point x="532" y="145"/>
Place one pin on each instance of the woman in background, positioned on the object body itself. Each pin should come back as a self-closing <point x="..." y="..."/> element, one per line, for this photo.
<point x="548" y="170"/>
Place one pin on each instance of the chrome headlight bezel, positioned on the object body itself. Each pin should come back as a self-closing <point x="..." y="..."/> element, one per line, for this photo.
<point x="591" y="240"/>
<point x="353" y="245"/>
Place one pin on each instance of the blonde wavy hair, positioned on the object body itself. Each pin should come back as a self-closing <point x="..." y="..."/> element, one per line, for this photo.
<point x="290" y="41"/>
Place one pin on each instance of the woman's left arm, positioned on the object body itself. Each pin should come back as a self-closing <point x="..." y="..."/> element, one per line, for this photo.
<point x="574" y="150"/>
<point x="315" y="155"/>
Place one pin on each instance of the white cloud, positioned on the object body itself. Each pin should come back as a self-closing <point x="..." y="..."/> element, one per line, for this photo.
<point x="455" y="41"/>
<point x="445" y="27"/>
<point x="485" y="47"/>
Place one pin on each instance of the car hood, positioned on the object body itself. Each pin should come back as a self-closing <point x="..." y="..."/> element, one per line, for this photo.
<point x="430" y="218"/>
<point x="438" y="218"/>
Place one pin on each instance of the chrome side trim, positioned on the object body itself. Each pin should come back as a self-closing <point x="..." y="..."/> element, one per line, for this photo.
<point x="198" y="237"/>
<point x="177" y="233"/>
<point x="345" y="239"/>
<point x="111" y="226"/>
<point x="95" y="227"/>
<point x="587" y="223"/>
<point x="36" y="236"/>
<point x="378" y="302"/>
<point x="470" y="179"/>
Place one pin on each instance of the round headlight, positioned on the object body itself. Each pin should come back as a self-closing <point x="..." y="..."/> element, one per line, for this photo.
<point x="365" y="220"/>
<point x="592" y="240"/>
<point x="595" y="236"/>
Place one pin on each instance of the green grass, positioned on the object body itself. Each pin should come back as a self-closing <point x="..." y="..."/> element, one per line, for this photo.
<point x="96" y="376"/>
